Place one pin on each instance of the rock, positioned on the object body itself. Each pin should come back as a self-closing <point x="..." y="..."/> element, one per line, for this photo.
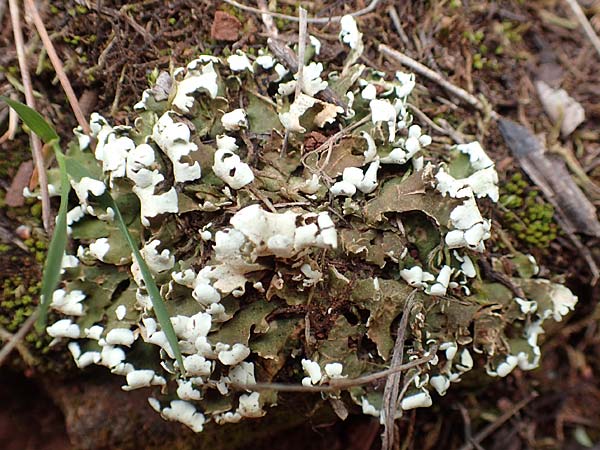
<point x="225" y="27"/>
<point x="14" y="194"/>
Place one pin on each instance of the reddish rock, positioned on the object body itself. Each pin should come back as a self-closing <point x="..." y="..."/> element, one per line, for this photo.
<point x="14" y="194"/>
<point x="225" y="27"/>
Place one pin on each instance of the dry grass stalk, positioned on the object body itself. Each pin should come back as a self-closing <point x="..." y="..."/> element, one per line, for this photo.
<point x="36" y="144"/>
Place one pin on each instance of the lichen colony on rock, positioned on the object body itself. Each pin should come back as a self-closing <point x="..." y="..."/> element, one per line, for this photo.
<point x="248" y="246"/>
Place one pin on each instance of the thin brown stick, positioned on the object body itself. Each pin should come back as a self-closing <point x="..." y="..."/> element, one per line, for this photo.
<point x="585" y="24"/>
<point x="15" y="339"/>
<point x="437" y="78"/>
<point x="392" y="385"/>
<point x="370" y="7"/>
<point x="301" y="51"/>
<point x="397" y="24"/>
<point x="36" y="144"/>
<point x="492" y="427"/>
<point x="337" y="384"/>
<point x="58" y="66"/>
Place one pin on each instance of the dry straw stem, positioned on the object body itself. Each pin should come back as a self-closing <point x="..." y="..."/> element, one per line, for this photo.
<point x="36" y="144"/>
<point x="15" y="339"/>
<point x="301" y="51"/>
<point x="338" y="384"/>
<point x="369" y="8"/>
<point x="57" y="64"/>
<point x="267" y="19"/>
<point x="492" y="427"/>
<point x="13" y="122"/>
<point x="398" y="25"/>
<point x="391" y="392"/>
<point x="425" y="71"/>
<point x="585" y="23"/>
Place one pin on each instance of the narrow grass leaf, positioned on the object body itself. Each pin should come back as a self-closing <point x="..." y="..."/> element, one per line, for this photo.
<point x="77" y="171"/>
<point x="58" y="244"/>
<point x="157" y="302"/>
<point x="33" y="120"/>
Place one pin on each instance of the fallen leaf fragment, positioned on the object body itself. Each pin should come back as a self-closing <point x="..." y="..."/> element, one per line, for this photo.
<point x="560" y="107"/>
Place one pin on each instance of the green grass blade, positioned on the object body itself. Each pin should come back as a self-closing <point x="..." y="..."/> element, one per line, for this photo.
<point x="33" y="120"/>
<point x="77" y="171"/>
<point x="157" y="302"/>
<point x="58" y="244"/>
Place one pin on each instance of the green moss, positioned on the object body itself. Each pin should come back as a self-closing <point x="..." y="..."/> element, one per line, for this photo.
<point x="527" y="214"/>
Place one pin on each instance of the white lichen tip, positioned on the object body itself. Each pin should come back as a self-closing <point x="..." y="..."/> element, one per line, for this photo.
<point x="203" y="80"/>
<point x="416" y="276"/>
<point x="186" y="391"/>
<point x="368" y="408"/>
<point x="249" y="405"/>
<point x="234" y="120"/>
<point x="63" y="328"/>
<point x="82" y="360"/>
<point x="228" y="166"/>
<point x="349" y="33"/>
<point x="120" y="336"/>
<point x="197" y="366"/>
<point x="239" y="62"/>
<point x="120" y="312"/>
<point x="174" y="139"/>
<point x="111" y="356"/>
<point x="184" y="412"/>
<point x="440" y="383"/>
<point x="157" y="262"/>
<point x="291" y="118"/>
<point x="94" y="332"/>
<point x="311" y="79"/>
<point x="354" y="178"/>
<point x="87" y="185"/>
<point x="313" y="370"/>
<point x="384" y="111"/>
<point x="477" y="155"/>
<point x="563" y="301"/>
<point x="235" y="355"/>
<point x="99" y="248"/>
<point x="265" y="61"/>
<point x="334" y="370"/>
<point x="419" y="400"/>
<point x="441" y="283"/>
<point x="137" y="379"/>
<point x="69" y="304"/>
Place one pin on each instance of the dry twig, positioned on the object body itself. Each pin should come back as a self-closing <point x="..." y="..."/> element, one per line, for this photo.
<point x="57" y="64"/>
<point x="398" y="25"/>
<point x="36" y="144"/>
<point x="13" y="122"/>
<point x="391" y="392"/>
<point x="267" y="19"/>
<point x="585" y="23"/>
<point x="14" y="340"/>
<point x="370" y="7"/>
<point x="338" y="384"/>
<point x="436" y="77"/>
<point x="492" y="427"/>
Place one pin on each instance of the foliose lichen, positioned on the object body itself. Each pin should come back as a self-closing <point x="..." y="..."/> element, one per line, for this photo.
<point x="304" y="260"/>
